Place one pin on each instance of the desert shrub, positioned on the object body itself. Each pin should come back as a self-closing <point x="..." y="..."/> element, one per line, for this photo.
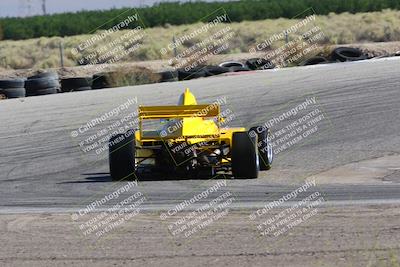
<point x="338" y="29"/>
<point x="131" y="76"/>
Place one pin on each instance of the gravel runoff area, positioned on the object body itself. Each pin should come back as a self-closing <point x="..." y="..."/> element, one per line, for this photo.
<point x="335" y="236"/>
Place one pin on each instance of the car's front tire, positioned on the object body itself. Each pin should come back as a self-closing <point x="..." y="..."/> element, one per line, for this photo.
<point x="264" y="145"/>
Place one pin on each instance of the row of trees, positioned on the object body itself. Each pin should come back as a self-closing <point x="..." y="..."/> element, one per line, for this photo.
<point x="179" y="13"/>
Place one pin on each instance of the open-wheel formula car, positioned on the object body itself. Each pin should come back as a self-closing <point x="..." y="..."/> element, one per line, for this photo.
<point x="188" y="140"/>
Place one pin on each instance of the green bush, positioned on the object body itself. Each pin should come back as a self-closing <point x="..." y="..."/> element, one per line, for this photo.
<point x="175" y="13"/>
<point x="1" y="32"/>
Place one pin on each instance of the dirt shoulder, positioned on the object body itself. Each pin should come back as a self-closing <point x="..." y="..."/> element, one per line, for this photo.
<point x="340" y="236"/>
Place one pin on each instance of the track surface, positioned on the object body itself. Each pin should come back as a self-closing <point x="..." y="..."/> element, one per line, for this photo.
<point x="42" y="166"/>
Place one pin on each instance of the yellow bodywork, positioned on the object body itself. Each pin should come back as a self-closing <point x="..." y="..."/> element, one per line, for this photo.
<point x="187" y="122"/>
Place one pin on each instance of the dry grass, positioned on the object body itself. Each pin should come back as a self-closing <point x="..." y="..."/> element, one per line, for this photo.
<point x="338" y="28"/>
<point x="123" y="76"/>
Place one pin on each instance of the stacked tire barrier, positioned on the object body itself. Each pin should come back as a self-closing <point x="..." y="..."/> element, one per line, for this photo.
<point x="12" y="88"/>
<point x="340" y="54"/>
<point x="314" y="61"/>
<point x="234" y="66"/>
<point x="42" y="84"/>
<point x="168" y="76"/>
<point x="207" y="71"/>
<point x="76" y="84"/>
<point x="259" y="64"/>
<point x="99" y="81"/>
<point x="48" y="82"/>
<point x="343" y="54"/>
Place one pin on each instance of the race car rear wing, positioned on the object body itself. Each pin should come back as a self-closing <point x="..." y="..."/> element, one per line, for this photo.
<point x="172" y="112"/>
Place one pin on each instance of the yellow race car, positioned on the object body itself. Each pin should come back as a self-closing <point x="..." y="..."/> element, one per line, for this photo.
<point x="188" y="140"/>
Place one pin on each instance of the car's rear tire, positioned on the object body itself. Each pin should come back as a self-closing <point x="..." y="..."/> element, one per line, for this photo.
<point x="245" y="162"/>
<point x="264" y="145"/>
<point x="122" y="156"/>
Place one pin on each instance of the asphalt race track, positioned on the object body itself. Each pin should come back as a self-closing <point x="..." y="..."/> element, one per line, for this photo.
<point x="42" y="167"/>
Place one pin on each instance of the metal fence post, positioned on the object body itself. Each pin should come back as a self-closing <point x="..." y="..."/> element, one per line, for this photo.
<point x="62" y="54"/>
<point x="175" y="51"/>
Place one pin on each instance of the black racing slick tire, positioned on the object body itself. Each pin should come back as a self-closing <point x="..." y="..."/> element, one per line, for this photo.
<point x="122" y="156"/>
<point x="245" y="161"/>
<point x="265" y="150"/>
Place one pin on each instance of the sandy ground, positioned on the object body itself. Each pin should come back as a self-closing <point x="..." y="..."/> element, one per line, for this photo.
<point x="340" y="236"/>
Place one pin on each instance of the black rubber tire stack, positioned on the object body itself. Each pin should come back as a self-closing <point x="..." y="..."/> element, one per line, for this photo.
<point x="42" y="84"/>
<point x="229" y="64"/>
<point x="259" y="64"/>
<point x="314" y="61"/>
<point x="343" y="54"/>
<point x="215" y="70"/>
<point x="238" y="68"/>
<point x="168" y="76"/>
<point x="100" y="81"/>
<point x="191" y="74"/>
<point x="12" y="88"/>
<point x="76" y="84"/>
